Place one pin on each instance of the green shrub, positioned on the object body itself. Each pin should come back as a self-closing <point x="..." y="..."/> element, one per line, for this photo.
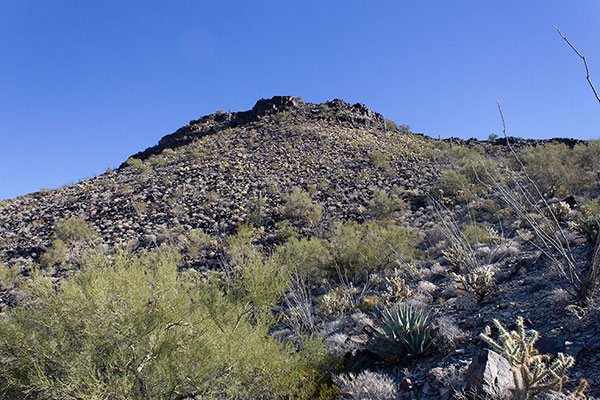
<point x="196" y="241"/>
<point x="379" y="159"/>
<point x="383" y="205"/>
<point x="476" y="234"/>
<point x="300" y="207"/>
<point x="478" y="171"/>
<point x="359" y="249"/>
<point x="8" y="276"/>
<point x="138" y="166"/>
<point x="133" y="328"/>
<point x="56" y="254"/>
<point x="403" y="331"/>
<point x="390" y="125"/>
<point x="256" y="208"/>
<point x="308" y="258"/>
<point x="451" y="185"/>
<point x="553" y="168"/>
<point x="75" y="230"/>
<point x="587" y="221"/>
<point x="285" y="231"/>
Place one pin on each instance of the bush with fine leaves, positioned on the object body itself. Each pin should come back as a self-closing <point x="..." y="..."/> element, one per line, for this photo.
<point x="134" y="328"/>
<point x="359" y="249"/>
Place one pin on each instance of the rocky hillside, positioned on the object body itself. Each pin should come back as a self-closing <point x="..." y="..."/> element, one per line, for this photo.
<point x="205" y="174"/>
<point x="325" y="171"/>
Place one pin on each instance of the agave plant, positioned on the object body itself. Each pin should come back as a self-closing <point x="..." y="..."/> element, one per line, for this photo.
<point x="402" y="331"/>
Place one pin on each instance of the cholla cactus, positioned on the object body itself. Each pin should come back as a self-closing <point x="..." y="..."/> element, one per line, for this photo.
<point x="397" y="288"/>
<point x="337" y="301"/>
<point x="400" y="332"/>
<point x="533" y="373"/>
<point x="479" y="281"/>
<point x="561" y="211"/>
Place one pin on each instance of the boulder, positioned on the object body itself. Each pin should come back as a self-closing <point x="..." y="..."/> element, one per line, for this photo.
<point x="489" y="375"/>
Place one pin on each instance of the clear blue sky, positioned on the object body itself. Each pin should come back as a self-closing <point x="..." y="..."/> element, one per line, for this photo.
<point x="85" y="84"/>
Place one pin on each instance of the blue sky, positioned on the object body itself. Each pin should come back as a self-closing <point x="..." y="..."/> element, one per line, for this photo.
<point x="84" y="84"/>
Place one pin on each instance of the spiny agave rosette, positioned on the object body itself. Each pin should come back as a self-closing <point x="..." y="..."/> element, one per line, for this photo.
<point x="401" y="331"/>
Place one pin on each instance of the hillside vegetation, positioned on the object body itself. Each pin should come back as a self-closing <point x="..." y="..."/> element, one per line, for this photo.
<point x="308" y="251"/>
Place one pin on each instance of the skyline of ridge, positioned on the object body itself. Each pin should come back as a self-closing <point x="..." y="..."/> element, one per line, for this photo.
<point x="87" y="85"/>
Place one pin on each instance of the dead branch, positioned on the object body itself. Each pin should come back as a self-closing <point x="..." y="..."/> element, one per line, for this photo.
<point x="587" y="70"/>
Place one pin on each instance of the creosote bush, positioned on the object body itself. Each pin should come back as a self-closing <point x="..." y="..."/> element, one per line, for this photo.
<point x="358" y="249"/>
<point x="8" y="276"/>
<point x="127" y="327"/>
<point x="451" y="185"/>
<point x="379" y="159"/>
<point x="72" y="237"/>
<point x="300" y="207"/>
<point x="309" y="258"/>
<point x="75" y="230"/>
<point x="382" y="205"/>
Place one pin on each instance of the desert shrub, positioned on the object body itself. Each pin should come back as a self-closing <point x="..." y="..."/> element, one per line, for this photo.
<point x="390" y="125"/>
<point x="379" y="159"/>
<point x="325" y="110"/>
<point x="73" y="237"/>
<point x="587" y="221"/>
<point x="367" y="385"/>
<point x="400" y="332"/>
<point x="404" y="128"/>
<point x="138" y="166"/>
<point x="308" y="258"/>
<point x="448" y="334"/>
<point x="553" y="168"/>
<point x="364" y="248"/>
<point x="56" y="254"/>
<point x="476" y="234"/>
<point x="451" y="185"/>
<point x="477" y="170"/>
<point x="367" y="304"/>
<point x="285" y="231"/>
<point x="196" y="241"/>
<point x="300" y="207"/>
<point x="383" y="205"/>
<point x="256" y="208"/>
<point x="486" y="210"/>
<point x="240" y="246"/>
<point x="8" y="276"/>
<point x="534" y="373"/>
<point x="133" y="328"/>
<point x="338" y="300"/>
<point x="75" y="230"/>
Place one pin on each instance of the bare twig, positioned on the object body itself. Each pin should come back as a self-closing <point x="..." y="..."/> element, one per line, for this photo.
<point x="587" y="70"/>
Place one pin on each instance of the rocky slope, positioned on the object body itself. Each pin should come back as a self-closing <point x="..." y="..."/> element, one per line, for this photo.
<point x="204" y="174"/>
<point x="226" y="169"/>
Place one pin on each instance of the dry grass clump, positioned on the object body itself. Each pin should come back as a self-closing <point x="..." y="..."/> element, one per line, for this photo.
<point x="367" y="385"/>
